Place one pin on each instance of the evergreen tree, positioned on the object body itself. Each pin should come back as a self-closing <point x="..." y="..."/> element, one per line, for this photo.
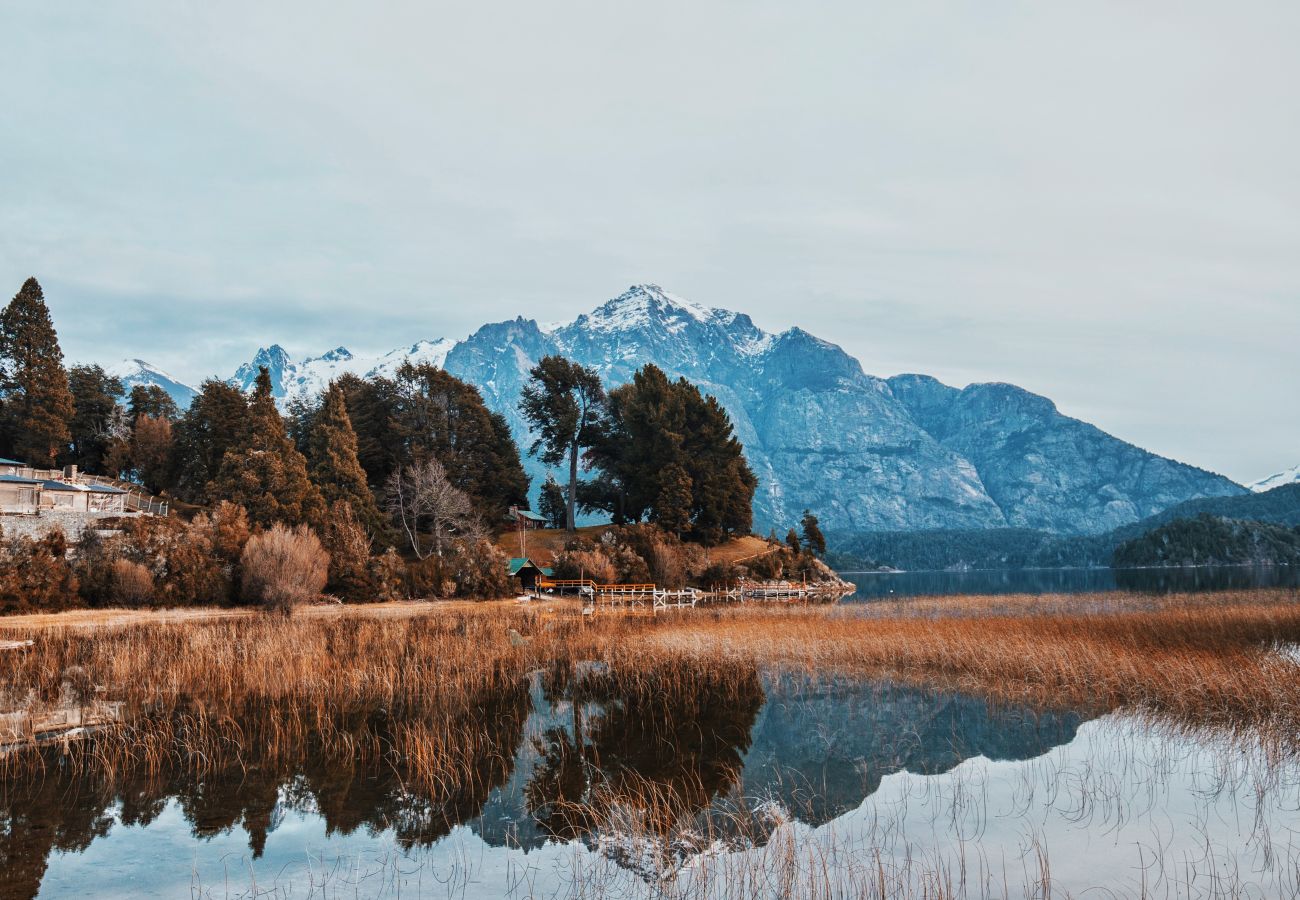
<point x="551" y="505"/>
<point x="351" y="574"/>
<point x="38" y="404"/>
<point x="792" y="541"/>
<point x="151" y="450"/>
<point x="151" y="400"/>
<point x="332" y="453"/>
<point x="562" y="402"/>
<point x="813" y="538"/>
<point x="437" y="416"/>
<point x="215" y="422"/>
<point x="673" y="506"/>
<point x="265" y="473"/>
<point x="654" y="427"/>
<point x="94" y="403"/>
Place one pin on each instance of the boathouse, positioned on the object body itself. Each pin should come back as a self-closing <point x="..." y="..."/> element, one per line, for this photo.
<point x="528" y="572"/>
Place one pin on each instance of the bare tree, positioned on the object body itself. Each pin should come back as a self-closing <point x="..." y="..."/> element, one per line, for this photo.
<point x="422" y="498"/>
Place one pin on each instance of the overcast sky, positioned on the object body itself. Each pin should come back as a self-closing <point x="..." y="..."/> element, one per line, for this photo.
<point x="1097" y="201"/>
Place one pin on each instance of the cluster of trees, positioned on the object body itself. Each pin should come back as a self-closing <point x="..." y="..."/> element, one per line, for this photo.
<point x="1211" y="540"/>
<point x="218" y="557"/>
<point x="659" y="451"/>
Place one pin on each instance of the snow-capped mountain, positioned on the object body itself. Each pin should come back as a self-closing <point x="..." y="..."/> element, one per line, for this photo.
<point x="312" y="375"/>
<point x="1290" y="476"/>
<point x="132" y="372"/>
<point x="864" y="453"/>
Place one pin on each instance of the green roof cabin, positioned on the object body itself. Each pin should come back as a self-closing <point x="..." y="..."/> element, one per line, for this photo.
<point x="528" y="572"/>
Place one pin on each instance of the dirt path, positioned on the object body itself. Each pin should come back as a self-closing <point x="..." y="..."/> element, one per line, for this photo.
<point x="116" y="618"/>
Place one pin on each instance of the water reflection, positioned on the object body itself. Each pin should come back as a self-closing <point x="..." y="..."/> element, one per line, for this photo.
<point x="878" y="585"/>
<point x="553" y="760"/>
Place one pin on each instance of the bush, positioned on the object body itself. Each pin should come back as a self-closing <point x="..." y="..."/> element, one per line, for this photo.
<point x="388" y="575"/>
<point x="181" y="559"/>
<point x="130" y="583"/>
<point x="35" y="575"/>
<point x="348" y="545"/>
<point x="481" y="570"/>
<point x="283" y="567"/>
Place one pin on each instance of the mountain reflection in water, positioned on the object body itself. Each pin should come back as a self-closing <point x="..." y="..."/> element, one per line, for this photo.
<point x="561" y="753"/>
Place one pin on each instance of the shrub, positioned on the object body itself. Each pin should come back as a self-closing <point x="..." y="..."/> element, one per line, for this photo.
<point x="481" y="570"/>
<point x="594" y="564"/>
<point x="185" y="568"/>
<point x="348" y="545"/>
<point x="388" y="575"/>
<point x="130" y="583"/>
<point x="35" y="575"/>
<point x="226" y="528"/>
<point x="283" y="567"/>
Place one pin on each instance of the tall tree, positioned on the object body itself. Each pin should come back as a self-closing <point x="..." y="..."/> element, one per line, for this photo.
<point x="153" y="401"/>
<point x="332" y="454"/>
<point x="151" y="450"/>
<point x="265" y="473"/>
<point x="38" y="404"/>
<point x="94" y="402"/>
<point x="562" y="403"/>
<point x="216" y="420"/>
<point x="438" y="416"/>
<point x="655" y="427"/>
<point x="673" y="505"/>
<point x="423" y="501"/>
<point x="813" y="538"/>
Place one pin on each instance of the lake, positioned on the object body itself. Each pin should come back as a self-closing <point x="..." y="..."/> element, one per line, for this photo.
<point x="585" y="791"/>
<point x="877" y="585"/>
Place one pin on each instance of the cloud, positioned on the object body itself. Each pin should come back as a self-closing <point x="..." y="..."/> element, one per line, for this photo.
<point x="1098" y="202"/>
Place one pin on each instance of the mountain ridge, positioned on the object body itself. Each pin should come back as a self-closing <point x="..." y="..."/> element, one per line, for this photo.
<point x="863" y="452"/>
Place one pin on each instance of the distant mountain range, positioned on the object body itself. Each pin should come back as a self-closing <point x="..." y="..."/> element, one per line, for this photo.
<point x="864" y="453"/>
<point x="1290" y="476"/>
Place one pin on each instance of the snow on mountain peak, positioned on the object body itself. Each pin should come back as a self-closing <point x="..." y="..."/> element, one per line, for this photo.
<point x="643" y="304"/>
<point x="1290" y="476"/>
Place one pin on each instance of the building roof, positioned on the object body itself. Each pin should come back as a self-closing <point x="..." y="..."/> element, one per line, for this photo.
<point x="11" y="462"/>
<point x="17" y="479"/>
<point x="528" y="514"/>
<point x="523" y="562"/>
<point x="62" y="486"/>
<point x="104" y="489"/>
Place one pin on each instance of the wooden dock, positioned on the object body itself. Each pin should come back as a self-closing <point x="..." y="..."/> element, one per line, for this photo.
<point x="654" y="598"/>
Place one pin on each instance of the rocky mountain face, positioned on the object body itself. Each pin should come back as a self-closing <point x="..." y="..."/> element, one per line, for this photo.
<point x="1047" y="471"/>
<point x="864" y="453"/>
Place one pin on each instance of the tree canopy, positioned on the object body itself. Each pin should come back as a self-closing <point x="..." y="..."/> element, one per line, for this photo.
<point x="563" y="404"/>
<point x="661" y="440"/>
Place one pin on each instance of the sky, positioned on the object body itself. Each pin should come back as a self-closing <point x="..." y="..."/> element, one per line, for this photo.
<point x="1097" y="201"/>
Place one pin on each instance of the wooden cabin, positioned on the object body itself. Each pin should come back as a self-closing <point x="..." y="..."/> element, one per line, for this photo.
<point x="528" y="572"/>
<point x="525" y="519"/>
<point x="19" y="495"/>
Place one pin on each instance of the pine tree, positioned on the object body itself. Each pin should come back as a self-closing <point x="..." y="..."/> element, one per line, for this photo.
<point x="266" y="474"/>
<point x="38" y="404"/>
<point x="673" y="506"/>
<point x="813" y="538"/>
<point x="94" y="403"/>
<point x="652" y="425"/>
<point x="792" y="541"/>
<point x="562" y="402"/>
<point x="215" y="421"/>
<point x="151" y="400"/>
<point x="335" y="469"/>
<point x="350" y="570"/>
<point x="552" y="505"/>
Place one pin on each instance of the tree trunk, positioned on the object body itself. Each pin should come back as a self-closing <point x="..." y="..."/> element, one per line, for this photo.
<point x="572" y="499"/>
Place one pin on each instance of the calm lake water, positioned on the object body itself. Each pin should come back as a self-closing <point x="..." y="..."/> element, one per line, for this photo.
<point x="874" y="781"/>
<point x="875" y="585"/>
